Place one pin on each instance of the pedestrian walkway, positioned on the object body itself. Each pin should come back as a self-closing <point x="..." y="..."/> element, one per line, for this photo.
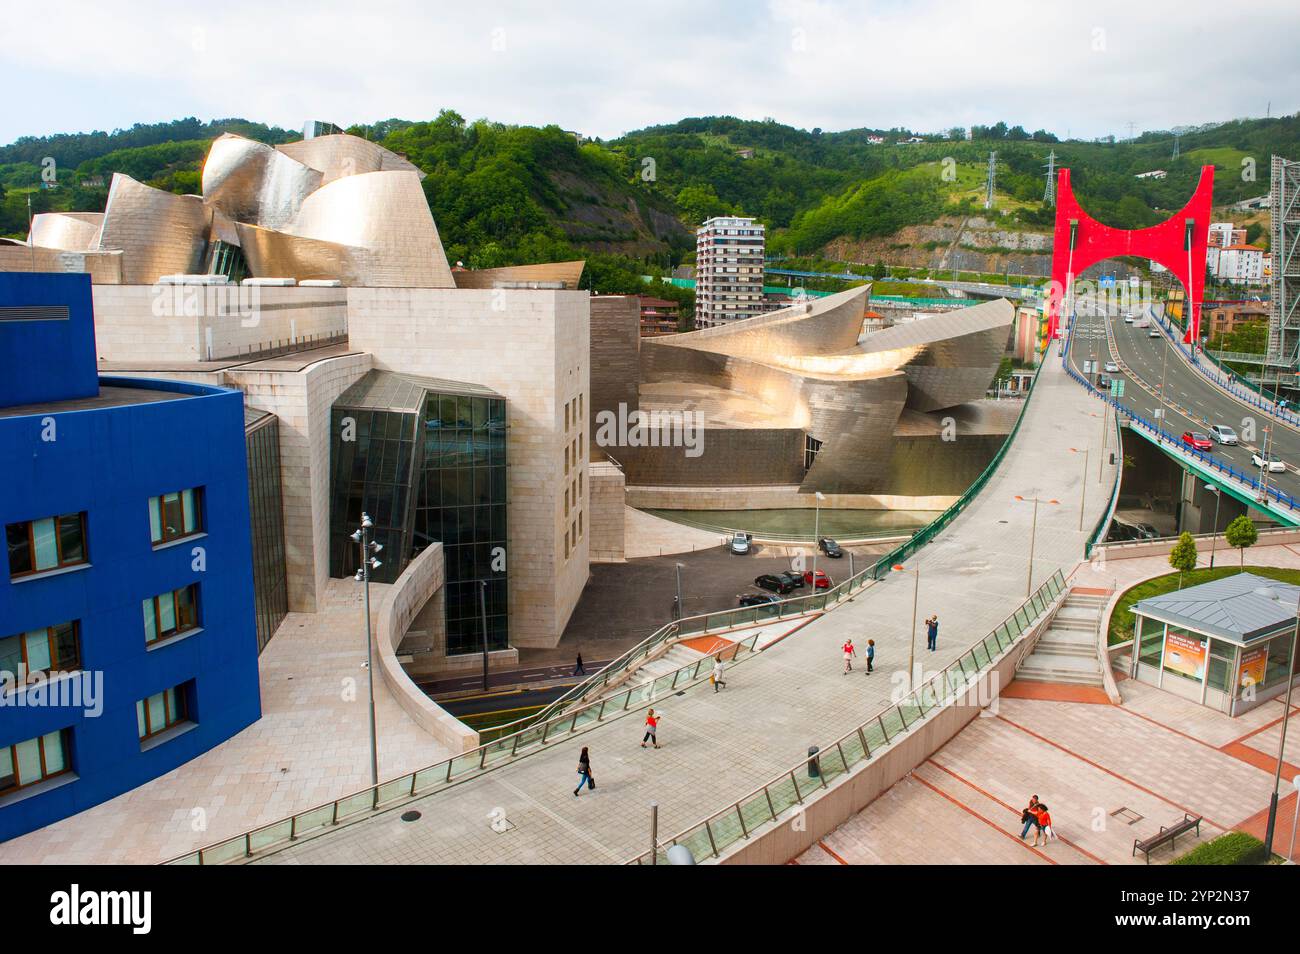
<point x="718" y="747"/>
<point x="1067" y="651"/>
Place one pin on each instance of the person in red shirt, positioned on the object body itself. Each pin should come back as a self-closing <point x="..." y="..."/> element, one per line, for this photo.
<point x="651" y="724"/>
<point x="848" y="656"/>
<point x="1043" y="826"/>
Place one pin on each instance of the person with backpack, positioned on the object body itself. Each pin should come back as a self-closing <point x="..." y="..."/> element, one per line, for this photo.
<point x="871" y="656"/>
<point x="651" y="725"/>
<point x="848" y="656"/>
<point x="1027" y="817"/>
<point x="584" y="773"/>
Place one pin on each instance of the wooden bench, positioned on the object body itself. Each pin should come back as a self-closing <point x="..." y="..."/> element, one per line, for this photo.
<point x="1169" y="835"/>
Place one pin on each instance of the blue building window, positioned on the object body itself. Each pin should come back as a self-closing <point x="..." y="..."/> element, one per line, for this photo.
<point x="49" y="649"/>
<point x="161" y="711"/>
<point x="175" y="516"/>
<point x="171" y="614"/>
<point x="33" y="761"/>
<point x="51" y="543"/>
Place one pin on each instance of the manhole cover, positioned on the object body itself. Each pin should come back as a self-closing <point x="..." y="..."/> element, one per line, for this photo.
<point x="410" y="816"/>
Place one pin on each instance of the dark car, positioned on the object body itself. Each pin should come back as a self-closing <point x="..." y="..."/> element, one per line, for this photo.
<point x="757" y="599"/>
<point x="770" y="581"/>
<point x="830" y="547"/>
<point x="823" y="581"/>
<point x="794" y="579"/>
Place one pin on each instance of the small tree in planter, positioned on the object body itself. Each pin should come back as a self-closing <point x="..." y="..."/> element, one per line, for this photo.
<point x="1183" y="556"/>
<point x="1241" y="533"/>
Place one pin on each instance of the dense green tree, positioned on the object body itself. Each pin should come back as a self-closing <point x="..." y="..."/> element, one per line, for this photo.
<point x="1183" y="556"/>
<point x="1241" y="533"/>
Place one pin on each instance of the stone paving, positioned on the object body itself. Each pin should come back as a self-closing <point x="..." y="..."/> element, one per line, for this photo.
<point x="310" y="747"/>
<point x="719" y="747"/>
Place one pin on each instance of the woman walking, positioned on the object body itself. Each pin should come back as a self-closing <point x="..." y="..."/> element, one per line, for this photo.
<point x="584" y="773"/>
<point x="651" y="725"/>
<point x="1044" y="826"/>
<point x="849" y="653"/>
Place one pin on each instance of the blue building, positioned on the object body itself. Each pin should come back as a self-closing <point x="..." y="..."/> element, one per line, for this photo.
<point x="128" y="637"/>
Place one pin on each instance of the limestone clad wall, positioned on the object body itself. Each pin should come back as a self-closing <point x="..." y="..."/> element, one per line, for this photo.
<point x="607" y="512"/>
<point x="532" y="347"/>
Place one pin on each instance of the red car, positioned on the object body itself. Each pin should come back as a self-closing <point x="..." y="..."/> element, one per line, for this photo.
<point x="823" y="581"/>
<point x="1197" y="439"/>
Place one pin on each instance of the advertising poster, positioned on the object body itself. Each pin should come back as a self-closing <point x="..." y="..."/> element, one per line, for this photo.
<point x="1253" y="664"/>
<point x="1185" y="655"/>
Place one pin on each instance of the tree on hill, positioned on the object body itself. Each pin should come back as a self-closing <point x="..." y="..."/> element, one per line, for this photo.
<point x="1241" y="533"/>
<point x="1183" y="556"/>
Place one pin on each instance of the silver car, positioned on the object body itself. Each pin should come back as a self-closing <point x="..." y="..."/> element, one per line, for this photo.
<point x="1223" y="434"/>
<point x="739" y="543"/>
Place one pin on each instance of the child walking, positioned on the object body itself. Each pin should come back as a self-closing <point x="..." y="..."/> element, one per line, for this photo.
<point x="651" y="725"/>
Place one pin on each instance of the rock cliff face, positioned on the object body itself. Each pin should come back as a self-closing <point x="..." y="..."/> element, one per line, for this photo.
<point x="976" y="244"/>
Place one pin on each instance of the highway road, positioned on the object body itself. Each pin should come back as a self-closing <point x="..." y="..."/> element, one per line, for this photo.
<point x="1191" y="402"/>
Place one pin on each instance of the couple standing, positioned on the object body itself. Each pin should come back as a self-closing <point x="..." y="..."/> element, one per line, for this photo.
<point x="1035" y="815"/>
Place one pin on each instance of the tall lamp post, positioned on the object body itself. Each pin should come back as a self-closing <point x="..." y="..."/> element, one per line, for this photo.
<point x="1033" y="537"/>
<point x="817" y="531"/>
<point x="1083" y="484"/>
<point x="482" y="606"/>
<point x="679" y="589"/>
<point x="916" y="594"/>
<point x="1214" y="529"/>
<point x="368" y="549"/>
<point x="1281" y="744"/>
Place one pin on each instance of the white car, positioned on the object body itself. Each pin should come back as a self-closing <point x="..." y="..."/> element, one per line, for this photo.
<point x="1128" y="319"/>
<point x="1112" y="367"/>
<point x="1153" y="333"/>
<point x="1275" y="466"/>
<point x="739" y="543"/>
<point x="1223" y="434"/>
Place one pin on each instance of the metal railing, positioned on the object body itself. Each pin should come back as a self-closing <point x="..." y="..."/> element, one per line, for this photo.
<point x="805" y="538"/>
<point x="443" y="775"/>
<point x="1107" y="514"/>
<point x="1161" y="436"/>
<point x="765" y="804"/>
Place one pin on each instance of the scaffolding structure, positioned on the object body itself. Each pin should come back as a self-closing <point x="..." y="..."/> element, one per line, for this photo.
<point x="993" y="169"/>
<point x="1284" y="244"/>
<point x="1049" y="194"/>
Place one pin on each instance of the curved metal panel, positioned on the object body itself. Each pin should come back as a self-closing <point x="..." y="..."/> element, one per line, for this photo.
<point x="386" y="214"/>
<point x="344" y="155"/>
<point x="158" y="233"/>
<point x="272" y="254"/>
<point x="251" y="182"/>
<point x="68" y="231"/>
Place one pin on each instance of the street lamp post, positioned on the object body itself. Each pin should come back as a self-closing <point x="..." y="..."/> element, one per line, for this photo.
<point x="817" y="529"/>
<point x="1214" y="529"/>
<point x="368" y="549"/>
<point x="1083" y="483"/>
<point x="916" y="595"/>
<point x="1033" y="537"/>
<point x="482" y="606"/>
<point x="1281" y="744"/>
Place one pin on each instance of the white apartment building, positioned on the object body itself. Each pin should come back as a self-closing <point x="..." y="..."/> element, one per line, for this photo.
<point x="729" y="254"/>
<point x="1223" y="234"/>
<point x="1241" y="265"/>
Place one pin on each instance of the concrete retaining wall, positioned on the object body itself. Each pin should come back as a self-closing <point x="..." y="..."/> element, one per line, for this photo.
<point x="399" y="605"/>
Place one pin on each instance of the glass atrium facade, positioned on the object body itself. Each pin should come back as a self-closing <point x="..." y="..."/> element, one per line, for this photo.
<point x="426" y="459"/>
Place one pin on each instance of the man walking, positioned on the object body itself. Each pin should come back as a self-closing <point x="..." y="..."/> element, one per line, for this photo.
<point x="932" y="631"/>
<point x="871" y="656"/>
<point x="848" y="656"/>
<point x="579" y="669"/>
<point x="716" y="678"/>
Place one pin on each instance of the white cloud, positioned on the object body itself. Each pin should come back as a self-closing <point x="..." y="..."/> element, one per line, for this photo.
<point x="604" y="68"/>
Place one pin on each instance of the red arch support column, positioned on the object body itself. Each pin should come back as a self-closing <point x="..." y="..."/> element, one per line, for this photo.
<point x="1080" y="241"/>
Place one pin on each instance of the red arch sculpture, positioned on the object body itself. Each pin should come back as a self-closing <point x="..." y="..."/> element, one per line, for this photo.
<point x="1178" y="243"/>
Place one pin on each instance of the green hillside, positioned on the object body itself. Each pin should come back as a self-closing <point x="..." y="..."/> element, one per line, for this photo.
<point x="516" y="194"/>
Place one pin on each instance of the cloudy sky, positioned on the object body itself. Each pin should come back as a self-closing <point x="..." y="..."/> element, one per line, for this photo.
<point x="602" y="68"/>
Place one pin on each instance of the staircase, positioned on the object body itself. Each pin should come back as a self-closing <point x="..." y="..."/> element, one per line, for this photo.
<point x="1067" y="650"/>
<point x="676" y="657"/>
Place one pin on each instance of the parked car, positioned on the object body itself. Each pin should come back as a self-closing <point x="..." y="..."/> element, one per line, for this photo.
<point x="830" y="547"/>
<point x="1197" y="439"/>
<point x="1112" y="367"/>
<point x="739" y="543"/>
<point x="1223" y="434"/>
<point x="794" y="579"/>
<point x="770" y="581"/>
<point x="1274" y="465"/>
<point x="757" y="599"/>
<point x="823" y="581"/>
